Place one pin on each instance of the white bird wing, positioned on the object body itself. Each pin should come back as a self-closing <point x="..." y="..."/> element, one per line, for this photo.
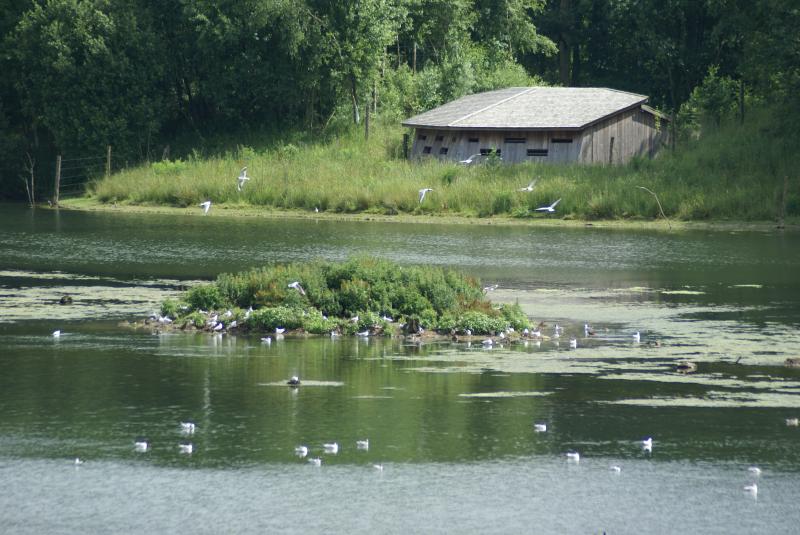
<point x="552" y="206"/>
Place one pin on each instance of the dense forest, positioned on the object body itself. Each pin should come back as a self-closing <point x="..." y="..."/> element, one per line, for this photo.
<point x="160" y="79"/>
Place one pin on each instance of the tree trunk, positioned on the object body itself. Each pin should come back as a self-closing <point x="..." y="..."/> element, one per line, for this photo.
<point x="366" y="122"/>
<point x="356" y="117"/>
<point x="576" y="65"/>
<point x="564" y="11"/>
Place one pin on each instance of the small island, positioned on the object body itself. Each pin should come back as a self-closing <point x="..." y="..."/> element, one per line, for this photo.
<point x="361" y="296"/>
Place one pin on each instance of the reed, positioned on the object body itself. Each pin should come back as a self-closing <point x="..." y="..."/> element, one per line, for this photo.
<point x="729" y="174"/>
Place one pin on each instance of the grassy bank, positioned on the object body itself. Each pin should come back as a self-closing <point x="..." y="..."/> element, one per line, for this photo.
<point x="733" y="173"/>
<point x="361" y="295"/>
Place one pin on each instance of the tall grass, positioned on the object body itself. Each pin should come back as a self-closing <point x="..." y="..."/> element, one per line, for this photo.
<point x="735" y="172"/>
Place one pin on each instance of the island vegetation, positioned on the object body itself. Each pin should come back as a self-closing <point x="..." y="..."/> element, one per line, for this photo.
<point x="309" y="96"/>
<point x="361" y="295"/>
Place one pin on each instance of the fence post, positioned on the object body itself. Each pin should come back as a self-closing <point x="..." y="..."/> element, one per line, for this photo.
<point x="108" y="161"/>
<point x="405" y="146"/>
<point x="58" y="179"/>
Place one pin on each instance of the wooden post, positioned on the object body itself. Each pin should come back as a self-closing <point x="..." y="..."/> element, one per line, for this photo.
<point x="405" y="146"/>
<point x="611" y="151"/>
<point x="414" y="59"/>
<point x="108" y="161"/>
<point x="58" y="179"/>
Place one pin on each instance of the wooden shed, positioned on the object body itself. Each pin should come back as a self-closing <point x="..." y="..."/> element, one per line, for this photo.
<point x="541" y="124"/>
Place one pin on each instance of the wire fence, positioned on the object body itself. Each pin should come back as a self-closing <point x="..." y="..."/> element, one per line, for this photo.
<point x="71" y="175"/>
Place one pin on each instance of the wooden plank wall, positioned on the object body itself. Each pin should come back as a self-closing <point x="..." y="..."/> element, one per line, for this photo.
<point x="634" y="133"/>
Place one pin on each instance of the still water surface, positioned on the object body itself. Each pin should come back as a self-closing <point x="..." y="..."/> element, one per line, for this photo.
<point x="451" y="424"/>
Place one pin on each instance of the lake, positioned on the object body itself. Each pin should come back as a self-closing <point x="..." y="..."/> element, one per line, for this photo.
<point x="449" y="424"/>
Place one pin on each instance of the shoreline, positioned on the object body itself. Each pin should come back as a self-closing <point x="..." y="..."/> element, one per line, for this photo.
<point x="225" y="211"/>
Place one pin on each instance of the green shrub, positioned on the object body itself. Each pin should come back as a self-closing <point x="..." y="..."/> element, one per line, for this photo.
<point x="515" y="317"/>
<point x="269" y="318"/>
<point x="481" y="323"/>
<point x="170" y="308"/>
<point x="204" y="297"/>
<point x="315" y="323"/>
<point x="430" y="297"/>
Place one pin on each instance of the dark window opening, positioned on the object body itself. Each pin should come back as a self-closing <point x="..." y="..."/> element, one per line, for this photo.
<point x="426" y="150"/>
<point x="422" y="137"/>
<point x="516" y="140"/>
<point x="486" y="152"/>
<point x="443" y="150"/>
<point x="537" y="152"/>
<point x="439" y="138"/>
<point x="474" y="140"/>
<point x="561" y="140"/>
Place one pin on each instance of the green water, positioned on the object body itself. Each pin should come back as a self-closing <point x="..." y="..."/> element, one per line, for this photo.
<point x="451" y="423"/>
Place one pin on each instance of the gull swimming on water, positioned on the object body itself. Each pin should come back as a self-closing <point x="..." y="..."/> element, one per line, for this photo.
<point x="529" y="187"/>
<point x="540" y="428"/>
<point x="792" y="422"/>
<point x="637" y="337"/>
<point x="56" y="334"/>
<point x="185" y="448"/>
<point x="78" y="461"/>
<point x="315" y="461"/>
<point x="573" y="456"/>
<point x="362" y="444"/>
<point x="751" y="488"/>
<point x="279" y="330"/>
<point x="332" y="447"/>
<point x="243" y="178"/>
<point x="266" y="340"/>
<point x="206" y="206"/>
<point x="422" y="193"/>
<point x="756" y="471"/>
<point x="187" y="427"/>
<point x="616" y="469"/>
<point x="647" y="443"/>
<point x="294" y="381"/>
<point x="549" y="209"/>
<point x="573" y="343"/>
<point x="301" y="451"/>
